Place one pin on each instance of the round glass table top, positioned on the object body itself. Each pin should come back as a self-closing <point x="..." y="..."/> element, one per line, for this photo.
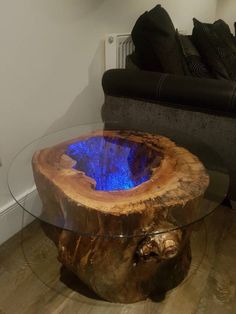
<point x="103" y="155"/>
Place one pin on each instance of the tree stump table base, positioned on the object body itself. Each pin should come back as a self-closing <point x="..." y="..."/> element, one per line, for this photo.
<point x="123" y="244"/>
<point x="123" y="281"/>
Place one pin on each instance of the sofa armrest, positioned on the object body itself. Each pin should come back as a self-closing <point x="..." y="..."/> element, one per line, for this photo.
<point x="193" y="93"/>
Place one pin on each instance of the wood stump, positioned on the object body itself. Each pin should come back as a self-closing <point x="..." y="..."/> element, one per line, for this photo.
<point x="122" y="243"/>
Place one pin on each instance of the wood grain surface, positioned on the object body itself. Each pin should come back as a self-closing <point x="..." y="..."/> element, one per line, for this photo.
<point x="32" y="284"/>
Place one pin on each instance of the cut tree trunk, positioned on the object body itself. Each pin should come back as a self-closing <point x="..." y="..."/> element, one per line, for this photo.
<point x="121" y="243"/>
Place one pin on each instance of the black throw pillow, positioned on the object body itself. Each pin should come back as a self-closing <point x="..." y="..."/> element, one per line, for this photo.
<point x="217" y="48"/>
<point x="156" y="42"/>
<point x="194" y="62"/>
<point x="143" y="48"/>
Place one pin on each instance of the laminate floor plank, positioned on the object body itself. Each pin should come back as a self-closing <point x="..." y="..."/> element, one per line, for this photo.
<point x="31" y="282"/>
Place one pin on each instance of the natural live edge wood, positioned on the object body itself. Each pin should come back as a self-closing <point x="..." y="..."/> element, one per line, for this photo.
<point x="124" y="269"/>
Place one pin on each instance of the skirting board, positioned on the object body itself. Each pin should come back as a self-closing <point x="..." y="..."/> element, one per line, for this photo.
<point x="11" y="219"/>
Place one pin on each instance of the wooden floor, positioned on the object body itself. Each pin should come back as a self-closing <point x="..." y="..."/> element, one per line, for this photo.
<point x="32" y="281"/>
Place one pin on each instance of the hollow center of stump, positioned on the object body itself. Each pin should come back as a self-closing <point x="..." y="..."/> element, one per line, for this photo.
<point x="114" y="163"/>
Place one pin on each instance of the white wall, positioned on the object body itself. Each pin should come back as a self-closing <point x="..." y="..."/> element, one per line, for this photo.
<point x="52" y="60"/>
<point x="226" y="10"/>
<point x="182" y="12"/>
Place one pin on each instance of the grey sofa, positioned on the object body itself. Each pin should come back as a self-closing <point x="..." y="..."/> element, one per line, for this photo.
<point x="156" y="102"/>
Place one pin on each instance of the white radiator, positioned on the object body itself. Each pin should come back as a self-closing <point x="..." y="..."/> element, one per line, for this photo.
<point x="117" y="48"/>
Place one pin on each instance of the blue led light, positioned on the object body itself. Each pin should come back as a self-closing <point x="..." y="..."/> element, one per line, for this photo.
<point x="114" y="163"/>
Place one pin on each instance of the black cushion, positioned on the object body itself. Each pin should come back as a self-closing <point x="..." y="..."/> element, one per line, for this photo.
<point x="156" y="42"/>
<point x="144" y="51"/>
<point x="194" y="61"/>
<point x="217" y="48"/>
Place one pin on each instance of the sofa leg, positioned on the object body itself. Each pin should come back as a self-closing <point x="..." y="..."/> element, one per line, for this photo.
<point x="227" y="202"/>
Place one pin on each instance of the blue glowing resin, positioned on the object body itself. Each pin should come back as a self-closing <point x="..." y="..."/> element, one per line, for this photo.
<point x="114" y="163"/>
